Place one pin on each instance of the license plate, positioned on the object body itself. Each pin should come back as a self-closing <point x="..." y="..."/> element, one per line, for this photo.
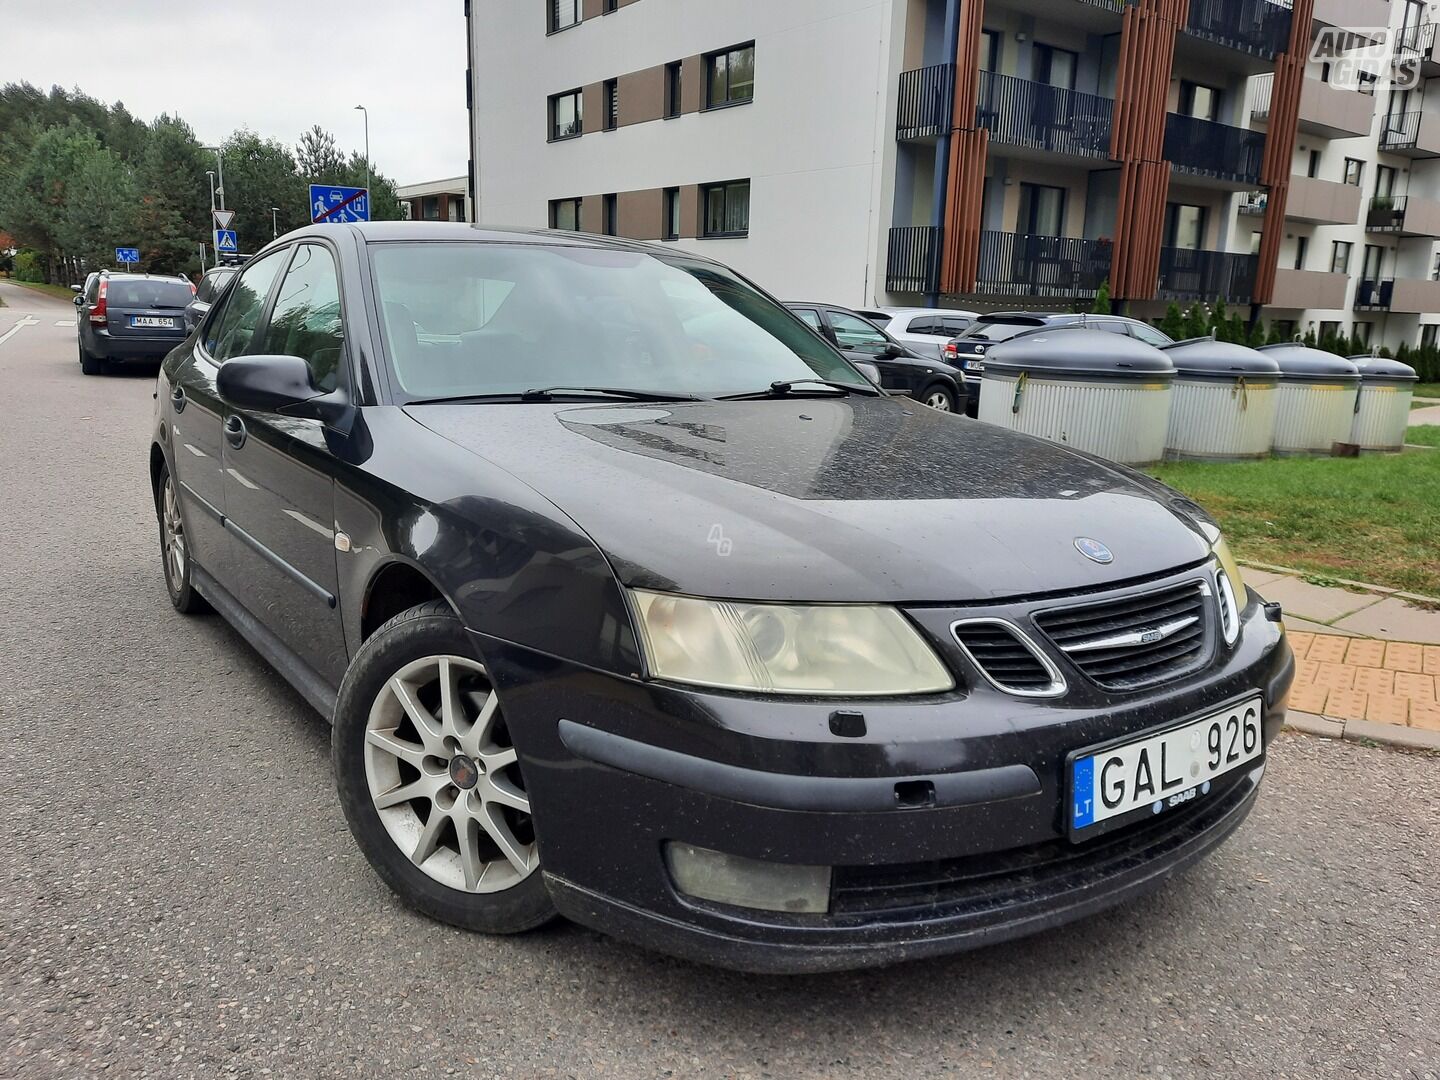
<point x="152" y="321"/>
<point x="974" y="365"/>
<point x="1162" y="771"/>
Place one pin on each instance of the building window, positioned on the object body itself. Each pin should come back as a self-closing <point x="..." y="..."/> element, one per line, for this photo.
<point x="565" y="214"/>
<point x="1384" y="181"/>
<point x="730" y="76"/>
<point x="612" y="104"/>
<point x="1042" y="210"/>
<point x="563" y="14"/>
<point x="1255" y="242"/>
<point x="1199" y="100"/>
<point x="1283" y="329"/>
<point x="1302" y="247"/>
<point x="1184" y="226"/>
<point x="1354" y="171"/>
<point x="430" y="208"/>
<point x="672" y="90"/>
<point x="566" y="115"/>
<point x="1340" y="257"/>
<point x="1314" y="167"/>
<point x="610" y="215"/>
<point x="727" y="208"/>
<point x="452" y="207"/>
<point x="672" y="214"/>
<point x="1429" y="334"/>
<point x="608" y="6"/>
<point x="1362" y="333"/>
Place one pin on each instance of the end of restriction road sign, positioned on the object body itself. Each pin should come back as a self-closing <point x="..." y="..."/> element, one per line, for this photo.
<point x="127" y="255"/>
<point x="335" y="203"/>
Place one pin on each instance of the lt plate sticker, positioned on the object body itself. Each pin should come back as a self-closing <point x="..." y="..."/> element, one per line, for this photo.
<point x="1166" y="769"/>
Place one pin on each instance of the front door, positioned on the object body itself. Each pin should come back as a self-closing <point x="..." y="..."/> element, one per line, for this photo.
<point x="861" y="340"/>
<point x="280" y="476"/>
<point x="197" y="414"/>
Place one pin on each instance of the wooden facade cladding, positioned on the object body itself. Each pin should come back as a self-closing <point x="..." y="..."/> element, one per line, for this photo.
<point x="1137" y="142"/>
<point x="965" y="175"/>
<point x="1275" y="167"/>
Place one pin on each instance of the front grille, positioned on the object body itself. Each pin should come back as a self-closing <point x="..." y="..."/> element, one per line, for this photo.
<point x="1004" y="657"/>
<point x="1134" y="641"/>
<point x="1051" y="867"/>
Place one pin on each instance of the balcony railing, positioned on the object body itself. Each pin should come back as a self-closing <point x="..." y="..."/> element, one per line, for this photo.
<point x="1386" y="213"/>
<point x="1196" y="274"/>
<point x="927" y="99"/>
<point x="1206" y="148"/>
<point x="1260" y="104"/>
<point x="1260" y="27"/>
<point x="1416" y="40"/>
<point x="1254" y="202"/>
<point x="1373" y="294"/>
<point x="1020" y="112"/>
<point x="911" y="262"/>
<point x="1399" y="131"/>
<point x="1024" y="264"/>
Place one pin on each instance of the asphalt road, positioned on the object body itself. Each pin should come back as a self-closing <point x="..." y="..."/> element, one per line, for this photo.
<point x="181" y="898"/>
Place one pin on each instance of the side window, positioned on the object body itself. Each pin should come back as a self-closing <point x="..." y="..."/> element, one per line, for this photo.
<point x="229" y="330"/>
<point x="1149" y="335"/>
<point x="92" y="289"/>
<point x="206" y="289"/>
<point x="925" y="324"/>
<point x="1110" y="326"/>
<point x="854" y="332"/>
<point x="810" y="315"/>
<point x="306" y="319"/>
<point x="954" y="327"/>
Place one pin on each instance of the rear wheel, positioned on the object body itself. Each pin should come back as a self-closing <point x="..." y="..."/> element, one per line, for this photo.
<point x="175" y="549"/>
<point x="90" y="364"/>
<point x="940" y="398"/>
<point x="430" y="781"/>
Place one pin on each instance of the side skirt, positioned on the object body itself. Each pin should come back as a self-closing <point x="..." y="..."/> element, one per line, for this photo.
<point x="319" y="693"/>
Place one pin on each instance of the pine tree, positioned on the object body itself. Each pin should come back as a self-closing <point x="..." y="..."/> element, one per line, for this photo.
<point x="1102" y="299"/>
<point x="1174" y="322"/>
<point x="1197" y="322"/>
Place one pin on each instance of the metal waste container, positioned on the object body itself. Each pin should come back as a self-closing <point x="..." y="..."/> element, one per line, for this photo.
<point x="1315" y="401"/>
<point x="1091" y="389"/>
<point x="1222" y="403"/>
<point x="1382" y="407"/>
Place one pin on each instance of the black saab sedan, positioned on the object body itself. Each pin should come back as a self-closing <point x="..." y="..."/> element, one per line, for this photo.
<point x="631" y="600"/>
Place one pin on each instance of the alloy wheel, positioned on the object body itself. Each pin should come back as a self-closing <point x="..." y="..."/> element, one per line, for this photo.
<point x="938" y="400"/>
<point x="445" y="779"/>
<point x="172" y="536"/>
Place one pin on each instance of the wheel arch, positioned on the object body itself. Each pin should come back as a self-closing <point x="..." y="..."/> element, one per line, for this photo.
<point x="157" y="463"/>
<point x="394" y="586"/>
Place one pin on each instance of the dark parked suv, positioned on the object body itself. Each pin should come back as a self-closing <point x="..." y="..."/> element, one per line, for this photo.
<point x="631" y="599"/>
<point x="127" y="317"/>
<point x="212" y="284"/>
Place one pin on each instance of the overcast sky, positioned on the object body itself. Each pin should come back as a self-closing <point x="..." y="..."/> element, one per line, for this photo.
<point x="274" y="66"/>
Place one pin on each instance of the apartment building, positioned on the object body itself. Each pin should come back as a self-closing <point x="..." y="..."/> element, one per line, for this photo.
<point x="977" y="153"/>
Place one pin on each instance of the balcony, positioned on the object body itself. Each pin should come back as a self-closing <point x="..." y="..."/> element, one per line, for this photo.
<point x="1301" y="289"/>
<point x="1252" y="203"/>
<point x="1037" y="116"/>
<point x="1373" y="294"/>
<point x="927" y="99"/>
<point x="1228" y="154"/>
<point x="1412" y="134"/>
<point x="1417" y="43"/>
<point x="1404" y="215"/>
<point x="1330" y="111"/>
<point x="1322" y="202"/>
<point x="1415" y="296"/>
<point x="1257" y="27"/>
<point x="1196" y="274"/>
<point x="911" y="262"/>
<point x="1058" y="267"/>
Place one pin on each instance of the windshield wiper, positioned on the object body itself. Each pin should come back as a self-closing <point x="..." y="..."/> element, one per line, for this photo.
<point x="623" y="393"/>
<point x="785" y="387"/>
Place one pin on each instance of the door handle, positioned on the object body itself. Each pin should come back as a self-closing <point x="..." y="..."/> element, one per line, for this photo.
<point x="235" y="431"/>
<point x="177" y="398"/>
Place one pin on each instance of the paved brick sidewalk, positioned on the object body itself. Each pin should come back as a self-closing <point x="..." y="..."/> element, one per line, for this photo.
<point x="1384" y="682"/>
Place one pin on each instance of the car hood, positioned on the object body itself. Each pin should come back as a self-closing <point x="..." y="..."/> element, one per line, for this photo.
<point x="851" y="499"/>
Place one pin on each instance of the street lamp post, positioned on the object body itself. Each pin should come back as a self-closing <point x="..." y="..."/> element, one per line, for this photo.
<point x="274" y="228"/>
<point x="366" y="113"/>
<point x="220" y="166"/>
<point x="211" y="174"/>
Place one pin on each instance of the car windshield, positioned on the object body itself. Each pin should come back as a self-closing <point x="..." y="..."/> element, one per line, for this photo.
<point x="998" y="329"/>
<point x="143" y="293"/>
<point x="480" y="319"/>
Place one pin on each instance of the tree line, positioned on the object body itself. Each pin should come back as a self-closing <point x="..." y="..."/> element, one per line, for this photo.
<point x="79" y="178"/>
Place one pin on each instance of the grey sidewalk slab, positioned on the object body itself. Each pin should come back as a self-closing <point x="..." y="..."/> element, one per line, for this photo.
<point x="1393" y="734"/>
<point x="1317" y="603"/>
<point x="1428" y="415"/>
<point x="1257" y="579"/>
<point x="1295" y="624"/>
<point x="1393" y="618"/>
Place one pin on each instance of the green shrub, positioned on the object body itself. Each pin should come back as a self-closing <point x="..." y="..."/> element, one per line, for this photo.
<point x="27" y="267"/>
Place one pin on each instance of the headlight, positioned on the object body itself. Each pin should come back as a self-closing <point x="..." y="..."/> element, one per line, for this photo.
<point x="843" y="650"/>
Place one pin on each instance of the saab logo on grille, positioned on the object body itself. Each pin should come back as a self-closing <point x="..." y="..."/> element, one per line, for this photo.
<point x="1093" y="550"/>
<point x="1149" y="636"/>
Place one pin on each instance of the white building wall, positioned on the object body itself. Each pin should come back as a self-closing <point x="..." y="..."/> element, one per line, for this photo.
<point x="817" y="141"/>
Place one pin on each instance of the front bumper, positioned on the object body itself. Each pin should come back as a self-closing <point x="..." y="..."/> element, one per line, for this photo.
<point x="617" y="767"/>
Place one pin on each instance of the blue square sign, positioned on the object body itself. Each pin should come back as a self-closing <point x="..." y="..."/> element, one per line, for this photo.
<point x="337" y="204"/>
<point x="225" y="241"/>
<point x="127" y="255"/>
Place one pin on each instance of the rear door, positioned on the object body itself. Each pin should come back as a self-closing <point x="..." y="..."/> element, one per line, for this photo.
<point x="197" y="415"/>
<point x="149" y="309"/>
<point x="861" y="340"/>
<point x="280" y="475"/>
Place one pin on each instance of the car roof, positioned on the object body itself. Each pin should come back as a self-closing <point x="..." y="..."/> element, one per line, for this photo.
<point x="143" y="277"/>
<point x="957" y="312"/>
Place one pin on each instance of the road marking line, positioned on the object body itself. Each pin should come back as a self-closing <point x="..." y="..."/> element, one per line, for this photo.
<point x="25" y="321"/>
<point x="64" y="322"/>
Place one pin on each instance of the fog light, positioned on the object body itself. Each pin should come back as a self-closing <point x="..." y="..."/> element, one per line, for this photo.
<point x="751" y="883"/>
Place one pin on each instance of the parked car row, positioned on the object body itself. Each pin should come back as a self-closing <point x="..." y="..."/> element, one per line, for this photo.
<point x="649" y="609"/>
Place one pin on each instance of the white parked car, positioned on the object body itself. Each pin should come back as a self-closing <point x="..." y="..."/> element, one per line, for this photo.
<point x="922" y="330"/>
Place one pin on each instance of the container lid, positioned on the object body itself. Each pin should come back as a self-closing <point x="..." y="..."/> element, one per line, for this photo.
<point x="1314" y="365"/>
<point x="1220" y="359"/>
<point x="1080" y="352"/>
<point x="1383" y="369"/>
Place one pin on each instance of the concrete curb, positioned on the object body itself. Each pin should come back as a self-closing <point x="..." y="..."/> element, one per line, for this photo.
<point x="1390" y="734"/>
<point x="1363" y="586"/>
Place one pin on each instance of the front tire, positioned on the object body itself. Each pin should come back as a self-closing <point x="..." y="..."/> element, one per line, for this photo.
<point x="430" y="782"/>
<point x="175" y="548"/>
<point x="938" y="397"/>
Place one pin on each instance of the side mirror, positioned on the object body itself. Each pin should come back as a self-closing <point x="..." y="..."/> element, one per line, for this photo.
<point x="78" y="301"/>
<point x="866" y="368"/>
<point x="76" y="288"/>
<point x="278" y="384"/>
<point x="893" y="349"/>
